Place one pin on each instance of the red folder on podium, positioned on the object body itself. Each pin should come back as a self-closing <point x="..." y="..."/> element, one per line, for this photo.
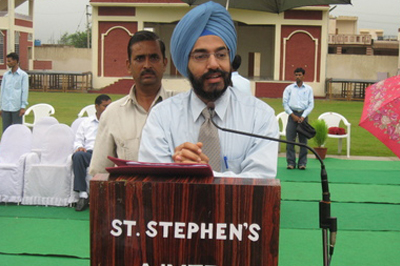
<point x="159" y="169"/>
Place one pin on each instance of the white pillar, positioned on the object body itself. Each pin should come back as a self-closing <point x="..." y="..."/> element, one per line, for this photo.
<point x="11" y="29"/>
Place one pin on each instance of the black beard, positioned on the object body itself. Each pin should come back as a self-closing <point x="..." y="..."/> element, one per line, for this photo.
<point x="215" y="94"/>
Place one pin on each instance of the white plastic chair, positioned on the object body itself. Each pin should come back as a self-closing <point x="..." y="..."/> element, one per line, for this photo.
<point x="39" y="110"/>
<point x="39" y="132"/>
<point x="15" y="144"/>
<point x="283" y="117"/>
<point x="49" y="178"/>
<point x="76" y="123"/>
<point x="89" y="110"/>
<point x="333" y="119"/>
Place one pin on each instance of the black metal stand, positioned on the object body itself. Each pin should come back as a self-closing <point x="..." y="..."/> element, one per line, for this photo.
<point x="326" y="222"/>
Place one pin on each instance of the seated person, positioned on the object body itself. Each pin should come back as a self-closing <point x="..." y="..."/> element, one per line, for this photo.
<point x="203" y="45"/>
<point x="83" y="146"/>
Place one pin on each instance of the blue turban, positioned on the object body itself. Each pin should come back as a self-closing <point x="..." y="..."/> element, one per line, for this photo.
<point x="208" y="17"/>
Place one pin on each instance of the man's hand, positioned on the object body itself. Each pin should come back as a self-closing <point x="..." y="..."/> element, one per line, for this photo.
<point x="21" y="112"/>
<point x="190" y="153"/>
<point x="1" y="112"/>
<point x="81" y="149"/>
<point x="295" y="118"/>
<point x="301" y="119"/>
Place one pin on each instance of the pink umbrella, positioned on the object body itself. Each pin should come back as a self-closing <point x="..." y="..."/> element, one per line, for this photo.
<point x="381" y="113"/>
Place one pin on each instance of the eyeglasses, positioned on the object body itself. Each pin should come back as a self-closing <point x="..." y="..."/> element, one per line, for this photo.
<point x="221" y="55"/>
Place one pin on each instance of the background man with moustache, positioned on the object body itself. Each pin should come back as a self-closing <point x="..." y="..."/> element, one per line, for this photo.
<point x="203" y="45"/>
<point x="121" y="124"/>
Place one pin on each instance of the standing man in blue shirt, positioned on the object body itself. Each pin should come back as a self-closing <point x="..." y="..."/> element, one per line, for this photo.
<point x="298" y="102"/>
<point x="14" y="93"/>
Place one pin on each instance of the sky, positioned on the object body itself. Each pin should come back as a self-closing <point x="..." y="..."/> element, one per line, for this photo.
<point x="53" y="18"/>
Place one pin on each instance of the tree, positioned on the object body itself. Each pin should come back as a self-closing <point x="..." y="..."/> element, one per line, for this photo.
<point x="78" y="39"/>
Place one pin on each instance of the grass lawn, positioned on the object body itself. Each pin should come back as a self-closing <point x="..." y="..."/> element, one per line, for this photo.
<point x="363" y="143"/>
<point x="68" y="105"/>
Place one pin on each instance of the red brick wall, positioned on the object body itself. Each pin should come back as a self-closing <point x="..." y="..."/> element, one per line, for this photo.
<point x="23" y="23"/>
<point x="116" y="11"/>
<point x="42" y="65"/>
<point x="270" y="89"/>
<point x="306" y="15"/>
<point x="23" y="50"/>
<point x="115" y="47"/>
<point x="300" y="52"/>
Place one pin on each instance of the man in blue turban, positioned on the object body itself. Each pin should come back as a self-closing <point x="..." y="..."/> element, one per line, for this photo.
<point x="179" y="129"/>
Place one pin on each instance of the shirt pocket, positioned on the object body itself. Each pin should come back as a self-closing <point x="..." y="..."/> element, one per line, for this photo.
<point x="128" y="149"/>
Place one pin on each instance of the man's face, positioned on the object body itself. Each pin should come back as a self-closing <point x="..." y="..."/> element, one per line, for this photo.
<point x="101" y="107"/>
<point x="299" y="77"/>
<point x="209" y="67"/>
<point x="146" y="64"/>
<point x="11" y="62"/>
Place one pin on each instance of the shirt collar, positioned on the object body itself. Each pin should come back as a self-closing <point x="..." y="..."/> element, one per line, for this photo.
<point x="161" y="95"/>
<point x="198" y="105"/>
<point x="93" y="118"/>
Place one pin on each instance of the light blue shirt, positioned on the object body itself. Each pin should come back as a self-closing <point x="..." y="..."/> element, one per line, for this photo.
<point x="14" y="91"/>
<point x="297" y="98"/>
<point x="178" y="120"/>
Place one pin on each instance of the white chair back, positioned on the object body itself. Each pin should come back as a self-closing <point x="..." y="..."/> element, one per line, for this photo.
<point x="89" y="110"/>
<point x="39" y="110"/>
<point x="76" y="123"/>
<point x="16" y="140"/>
<point x="39" y="131"/>
<point x="283" y="117"/>
<point x="333" y="119"/>
<point x="58" y="145"/>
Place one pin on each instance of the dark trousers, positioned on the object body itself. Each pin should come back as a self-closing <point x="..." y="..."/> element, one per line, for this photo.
<point x="80" y="162"/>
<point x="291" y="135"/>
<point x="10" y="118"/>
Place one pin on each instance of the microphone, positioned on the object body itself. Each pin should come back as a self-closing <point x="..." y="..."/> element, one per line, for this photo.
<point x="325" y="220"/>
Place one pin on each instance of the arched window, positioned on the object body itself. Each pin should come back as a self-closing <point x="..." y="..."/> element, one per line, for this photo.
<point x="17" y="42"/>
<point x="1" y="48"/>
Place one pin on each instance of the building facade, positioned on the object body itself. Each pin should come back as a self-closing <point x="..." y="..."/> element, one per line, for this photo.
<point x="16" y="33"/>
<point x="271" y="45"/>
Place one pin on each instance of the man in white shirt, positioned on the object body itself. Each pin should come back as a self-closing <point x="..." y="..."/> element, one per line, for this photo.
<point x="203" y="45"/>
<point x="83" y="145"/>
<point x="239" y="83"/>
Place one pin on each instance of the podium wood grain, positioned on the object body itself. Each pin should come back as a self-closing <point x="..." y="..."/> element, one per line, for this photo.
<point x="239" y="202"/>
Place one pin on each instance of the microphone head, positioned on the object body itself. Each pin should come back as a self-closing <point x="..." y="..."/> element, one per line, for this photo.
<point x="211" y="106"/>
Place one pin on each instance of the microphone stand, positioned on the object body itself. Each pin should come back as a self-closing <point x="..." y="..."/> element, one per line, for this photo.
<point x="326" y="222"/>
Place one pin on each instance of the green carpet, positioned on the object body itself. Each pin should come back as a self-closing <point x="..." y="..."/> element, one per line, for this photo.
<point x="365" y="197"/>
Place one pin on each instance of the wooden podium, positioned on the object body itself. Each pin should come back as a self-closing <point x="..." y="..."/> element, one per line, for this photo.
<point x="183" y="221"/>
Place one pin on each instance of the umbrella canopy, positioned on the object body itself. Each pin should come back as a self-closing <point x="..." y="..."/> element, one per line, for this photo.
<point x="381" y="112"/>
<point x="273" y="6"/>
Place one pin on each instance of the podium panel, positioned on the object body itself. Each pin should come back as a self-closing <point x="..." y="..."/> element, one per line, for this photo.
<point x="165" y="221"/>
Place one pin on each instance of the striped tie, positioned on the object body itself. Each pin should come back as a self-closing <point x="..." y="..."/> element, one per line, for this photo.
<point x="209" y="137"/>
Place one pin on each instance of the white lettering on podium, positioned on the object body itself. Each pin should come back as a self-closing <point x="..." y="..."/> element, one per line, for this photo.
<point x="180" y="230"/>
<point x="163" y="264"/>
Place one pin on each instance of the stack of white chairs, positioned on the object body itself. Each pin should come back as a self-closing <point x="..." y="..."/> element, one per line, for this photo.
<point x="39" y="111"/>
<point x="15" y="144"/>
<point x="49" y="177"/>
